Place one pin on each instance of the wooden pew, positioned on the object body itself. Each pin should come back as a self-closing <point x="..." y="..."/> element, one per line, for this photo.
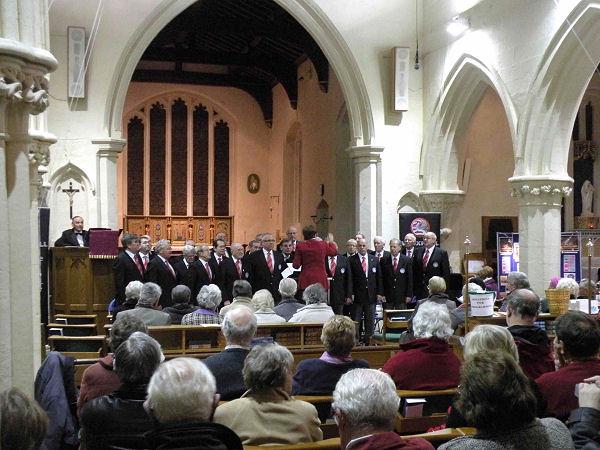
<point x="329" y="444"/>
<point x="395" y="321"/>
<point x="437" y="438"/>
<point x="435" y="410"/>
<point x="77" y="319"/>
<point x="78" y="346"/>
<point x="88" y="329"/>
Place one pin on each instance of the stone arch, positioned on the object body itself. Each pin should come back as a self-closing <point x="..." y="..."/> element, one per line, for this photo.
<point x="463" y="88"/>
<point x="409" y="202"/>
<point x="306" y="12"/>
<point x="292" y="175"/>
<point x="560" y="82"/>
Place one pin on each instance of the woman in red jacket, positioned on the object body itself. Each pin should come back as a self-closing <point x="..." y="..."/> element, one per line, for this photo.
<point x="311" y="256"/>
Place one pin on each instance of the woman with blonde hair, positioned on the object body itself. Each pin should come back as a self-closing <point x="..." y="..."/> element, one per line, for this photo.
<point x="263" y="303"/>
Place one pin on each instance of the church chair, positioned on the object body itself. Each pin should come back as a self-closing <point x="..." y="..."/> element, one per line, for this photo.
<point x="434" y="413"/>
<point x="326" y="444"/>
<point x="395" y="321"/>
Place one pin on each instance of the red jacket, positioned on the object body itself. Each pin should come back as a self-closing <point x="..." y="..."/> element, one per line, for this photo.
<point x="99" y="379"/>
<point x="424" y="364"/>
<point x="311" y="256"/>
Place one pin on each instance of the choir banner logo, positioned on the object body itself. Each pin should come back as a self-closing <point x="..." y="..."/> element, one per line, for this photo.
<point x="420" y="226"/>
<point x="419" y="223"/>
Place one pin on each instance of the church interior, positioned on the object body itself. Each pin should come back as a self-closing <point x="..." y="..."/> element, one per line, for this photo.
<point x="182" y="119"/>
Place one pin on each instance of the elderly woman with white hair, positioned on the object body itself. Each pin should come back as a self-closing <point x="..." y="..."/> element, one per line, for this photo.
<point x="427" y="362"/>
<point x="288" y="305"/>
<point x="267" y="414"/>
<point x="208" y="299"/>
<point x="263" y="303"/>
<point x="132" y="295"/>
<point x="316" y="310"/>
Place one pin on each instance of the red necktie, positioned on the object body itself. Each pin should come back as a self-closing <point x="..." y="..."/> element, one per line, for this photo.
<point x="208" y="271"/>
<point x="170" y="269"/>
<point x="145" y="261"/>
<point x="136" y="259"/>
<point x="332" y="266"/>
<point x="425" y="258"/>
<point x="364" y="265"/>
<point x="219" y="260"/>
<point x="238" y="266"/>
<point x="395" y="264"/>
<point x="270" y="262"/>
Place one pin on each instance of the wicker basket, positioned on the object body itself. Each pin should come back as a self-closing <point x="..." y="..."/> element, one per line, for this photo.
<point x="558" y="301"/>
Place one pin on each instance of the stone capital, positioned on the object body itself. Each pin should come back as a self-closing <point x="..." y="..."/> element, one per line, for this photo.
<point x="370" y="154"/>
<point x="541" y="190"/>
<point x="109" y="147"/>
<point x="444" y="201"/>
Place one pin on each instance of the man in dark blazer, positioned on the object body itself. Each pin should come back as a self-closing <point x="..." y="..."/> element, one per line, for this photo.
<point x="396" y="271"/>
<point x="338" y="271"/>
<point x="161" y="272"/>
<point x="409" y="245"/>
<point x="74" y="237"/>
<point x="366" y="287"/>
<point x="231" y="269"/>
<point x="128" y="266"/>
<point x="260" y="275"/>
<point x="206" y="272"/>
<point x="185" y="269"/>
<point x="428" y="261"/>
<point x="379" y="244"/>
<point x="287" y="250"/>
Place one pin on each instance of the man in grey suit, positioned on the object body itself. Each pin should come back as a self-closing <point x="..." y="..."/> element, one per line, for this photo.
<point x="147" y="309"/>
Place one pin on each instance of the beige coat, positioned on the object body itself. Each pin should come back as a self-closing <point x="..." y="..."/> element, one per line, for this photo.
<point x="270" y="418"/>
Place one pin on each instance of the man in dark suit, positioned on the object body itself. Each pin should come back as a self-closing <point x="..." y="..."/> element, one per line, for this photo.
<point x="379" y="244"/>
<point x="409" y="245"/>
<point x="396" y="271"/>
<point x="74" y="237"/>
<point x="265" y="267"/>
<point x="290" y="235"/>
<point x="206" y="272"/>
<point x="146" y="253"/>
<point x="161" y="272"/>
<point x="231" y="269"/>
<point x="287" y="250"/>
<point x="221" y="237"/>
<point x="128" y="266"/>
<point x="239" y="327"/>
<point x="366" y="287"/>
<point x="185" y="269"/>
<point x="338" y="272"/>
<point x="429" y="261"/>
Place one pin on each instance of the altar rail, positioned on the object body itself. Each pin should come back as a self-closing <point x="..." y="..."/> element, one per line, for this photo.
<point x="180" y="228"/>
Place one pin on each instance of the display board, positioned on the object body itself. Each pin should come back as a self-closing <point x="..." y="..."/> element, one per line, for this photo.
<point x="419" y="223"/>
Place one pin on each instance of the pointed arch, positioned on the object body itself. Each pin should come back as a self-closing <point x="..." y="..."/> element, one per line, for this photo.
<point x="461" y="92"/>
<point x="71" y="172"/>
<point x="409" y="202"/>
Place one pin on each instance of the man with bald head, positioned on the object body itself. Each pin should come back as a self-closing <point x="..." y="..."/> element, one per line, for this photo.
<point x="429" y="261"/>
<point x="408" y="248"/>
<point x="75" y="236"/>
<point x="291" y="235"/>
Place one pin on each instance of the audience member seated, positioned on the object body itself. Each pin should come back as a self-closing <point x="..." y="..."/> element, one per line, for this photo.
<point x="132" y="295"/>
<point x="318" y="376"/>
<point x="263" y="308"/>
<point x="119" y="419"/>
<point x="181" y="304"/>
<point x="571" y="285"/>
<point x="437" y="294"/>
<point x="576" y="344"/>
<point x="364" y="406"/>
<point x="242" y="296"/>
<point x="586" y="286"/>
<point x="316" y="310"/>
<point x="584" y="422"/>
<point x="288" y="304"/>
<point x="496" y="397"/>
<point x="486" y="274"/>
<point x="238" y="327"/>
<point x="428" y="362"/>
<point x="544" y="301"/>
<point x="100" y="378"/>
<point x="514" y="280"/>
<point x="457" y="315"/>
<point x="266" y="414"/>
<point x="147" y="308"/>
<point x="535" y="354"/>
<point x="182" y="398"/>
<point x="209" y="298"/>
<point x="23" y="423"/>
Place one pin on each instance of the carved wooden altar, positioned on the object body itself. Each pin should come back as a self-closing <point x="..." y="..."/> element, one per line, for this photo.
<point x="200" y="229"/>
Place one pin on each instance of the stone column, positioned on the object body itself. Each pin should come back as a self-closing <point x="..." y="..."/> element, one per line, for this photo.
<point x="23" y="91"/>
<point x="108" y="152"/>
<point x="367" y="188"/>
<point x="540" y="203"/>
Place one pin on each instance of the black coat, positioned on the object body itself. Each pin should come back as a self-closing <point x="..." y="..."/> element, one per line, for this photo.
<point x="365" y="288"/>
<point x="158" y="272"/>
<point x="339" y="283"/>
<point x="194" y="435"/>
<point x="259" y="275"/>
<point x="397" y="285"/>
<point x="125" y="271"/>
<point x="69" y="239"/>
<point x="227" y="369"/>
<point x="227" y="274"/>
<point x="437" y="266"/>
<point x="202" y="277"/>
<point x="186" y="275"/>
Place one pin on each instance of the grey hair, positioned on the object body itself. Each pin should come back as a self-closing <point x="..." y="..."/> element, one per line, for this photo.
<point x="263" y="299"/>
<point x="149" y="294"/>
<point x="267" y="366"/>
<point x="367" y="398"/>
<point x="436" y="285"/>
<point x="209" y="297"/>
<point x="473" y="287"/>
<point x="432" y="320"/>
<point x="137" y="358"/>
<point x="162" y="244"/>
<point x="288" y="287"/>
<point x="524" y="302"/>
<point x="129" y="238"/>
<point x="379" y="238"/>
<point x="241" y="288"/>
<point x="181" y="294"/>
<point x="315" y="293"/>
<point x="395" y="241"/>
<point x="123" y="328"/>
<point x="133" y="290"/>
<point x="239" y="326"/>
<point x="490" y="338"/>
<point x="235" y="245"/>
<point x="518" y="279"/>
<point x="586" y="284"/>
<point x="351" y="241"/>
<point x="189" y="250"/>
<point x="182" y="389"/>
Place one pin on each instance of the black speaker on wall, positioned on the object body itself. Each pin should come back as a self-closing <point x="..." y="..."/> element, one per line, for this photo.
<point x="44" y="231"/>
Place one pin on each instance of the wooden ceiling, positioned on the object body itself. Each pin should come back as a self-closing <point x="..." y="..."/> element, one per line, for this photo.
<point x="248" y="44"/>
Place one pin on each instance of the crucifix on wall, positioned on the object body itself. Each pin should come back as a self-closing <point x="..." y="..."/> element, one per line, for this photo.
<point x="70" y="192"/>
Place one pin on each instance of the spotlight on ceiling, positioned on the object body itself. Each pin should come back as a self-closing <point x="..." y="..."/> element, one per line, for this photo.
<point x="457" y="25"/>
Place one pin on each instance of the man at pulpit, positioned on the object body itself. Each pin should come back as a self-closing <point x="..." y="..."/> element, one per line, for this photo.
<point x="74" y="237"/>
